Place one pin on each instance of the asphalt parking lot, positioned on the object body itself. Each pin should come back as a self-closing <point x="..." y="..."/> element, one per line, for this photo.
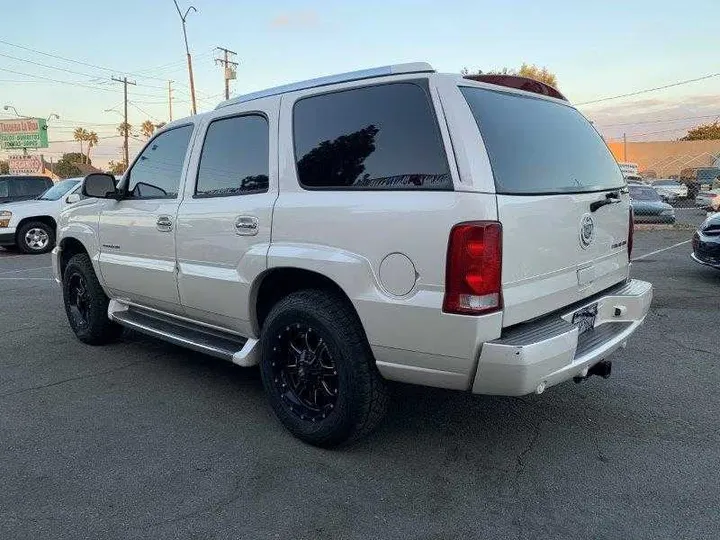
<point x="146" y="440"/>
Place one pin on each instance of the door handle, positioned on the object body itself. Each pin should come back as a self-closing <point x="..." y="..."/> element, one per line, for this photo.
<point x="164" y="224"/>
<point x="246" y="225"/>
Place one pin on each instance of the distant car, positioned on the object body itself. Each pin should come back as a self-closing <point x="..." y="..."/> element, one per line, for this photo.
<point x="670" y="189"/>
<point x="21" y="188"/>
<point x="30" y="225"/>
<point x="648" y="206"/>
<point x="709" y="200"/>
<point x="706" y="242"/>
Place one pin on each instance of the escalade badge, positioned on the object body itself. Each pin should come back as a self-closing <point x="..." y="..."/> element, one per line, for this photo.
<point x="587" y="231"/>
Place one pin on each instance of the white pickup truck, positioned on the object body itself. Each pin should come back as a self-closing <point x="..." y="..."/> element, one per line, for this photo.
<point x="389" y="224"/>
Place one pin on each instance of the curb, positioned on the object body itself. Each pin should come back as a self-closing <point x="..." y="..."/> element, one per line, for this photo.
<point x="664" y="227"/>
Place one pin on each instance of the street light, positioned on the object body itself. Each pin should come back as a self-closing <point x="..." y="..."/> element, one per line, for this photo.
<point x="8" y="107"/>
<point x="52" y="115"/>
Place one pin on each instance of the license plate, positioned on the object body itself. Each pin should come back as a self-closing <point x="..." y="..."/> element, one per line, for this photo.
<point x="585" y="318"/>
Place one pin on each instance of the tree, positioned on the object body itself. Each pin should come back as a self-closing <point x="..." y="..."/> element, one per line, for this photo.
<point x="703" y="132"/>
<point x="117" y="167"/>
<point x="67" y="167"/>
<point x="75" y="158"/>
<point x="530" y="71"/>
<point x="147" y="128"/>
<point x="4" y="167"/>
<point x="92" y="140"/>
<point x="125" y="129"/>
<point x="80" y="135"/>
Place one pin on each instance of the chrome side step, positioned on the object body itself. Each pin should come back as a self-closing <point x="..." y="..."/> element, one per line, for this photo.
<point x="210" y="341"/>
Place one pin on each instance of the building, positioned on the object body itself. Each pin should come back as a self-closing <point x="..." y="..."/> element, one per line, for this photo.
<point x="662" y="159"/>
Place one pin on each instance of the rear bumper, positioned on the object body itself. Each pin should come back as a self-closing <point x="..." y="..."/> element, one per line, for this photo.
<point x="542" y="353"/>
<point x="7" y="236"/>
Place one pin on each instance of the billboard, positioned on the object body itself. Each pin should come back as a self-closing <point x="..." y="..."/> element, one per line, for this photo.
<point x="20" y="133"/>
<point x="25" y="164"/>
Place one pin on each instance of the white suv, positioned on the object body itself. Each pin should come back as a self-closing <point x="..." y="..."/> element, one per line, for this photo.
<point x="392" y="224"/>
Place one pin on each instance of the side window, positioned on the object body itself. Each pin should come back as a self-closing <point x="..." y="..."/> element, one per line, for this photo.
<point x="235" y="157"/>
<point x="376" y="138"/>
<point x="4" y="191"/>
<point x="157" y="172"/>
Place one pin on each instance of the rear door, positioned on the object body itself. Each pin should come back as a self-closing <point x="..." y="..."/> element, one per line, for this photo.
<point x="561" y="197"/>
<point x="224" y="221"/>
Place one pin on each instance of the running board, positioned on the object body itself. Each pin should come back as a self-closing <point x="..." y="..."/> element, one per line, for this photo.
<point x="215" y="342"/>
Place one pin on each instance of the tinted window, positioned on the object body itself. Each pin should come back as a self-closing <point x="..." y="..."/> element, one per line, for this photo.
<point x="235" y="157"/>
<point x="28" y="187"/>
<point x="4" y="191"/>
<point x="643" y="194"/>
<point x="538" y="146"/>
<point x="156" y="174"/>
<point x="380" y="137"/>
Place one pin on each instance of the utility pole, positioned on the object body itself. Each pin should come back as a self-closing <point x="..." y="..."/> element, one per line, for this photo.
<point x="229" y="68"/>
<point x="170" y="98"/>
<point x="624" y="147"/>
<point x="126" y="126"/>
<point x="187" y="51"/>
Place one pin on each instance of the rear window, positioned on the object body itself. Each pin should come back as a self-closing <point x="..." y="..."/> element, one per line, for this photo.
<point x="27" y="187"/>
<point x="643" y="194"/>
<point x="539" y="147"/>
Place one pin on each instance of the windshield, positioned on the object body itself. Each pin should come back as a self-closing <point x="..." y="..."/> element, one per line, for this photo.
<point x="58" y="190"/>
<point x="537" y="146"/>
<point x="644" y="194"/>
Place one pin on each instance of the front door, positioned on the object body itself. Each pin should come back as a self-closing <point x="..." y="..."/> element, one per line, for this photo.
<point x="224" y="221"/>
<point x="137" y="233"/>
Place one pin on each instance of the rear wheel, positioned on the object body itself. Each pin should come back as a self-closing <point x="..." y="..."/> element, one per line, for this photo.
<point x="318" y="370"/>
<point x="86" y="304"/>
<point x="35" y="237"/>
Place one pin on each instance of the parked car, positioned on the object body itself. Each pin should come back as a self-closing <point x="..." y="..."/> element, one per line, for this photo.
<point x="30" y="225"/>
<point x="700" y="179"/>
<point x="706" y="242"/>
<point x="670" y="189"/>
<point x="710" y="200"/>
<point x="348" y="230"/>
<point x="648" y="206"/>
<point x="21" y="188"/>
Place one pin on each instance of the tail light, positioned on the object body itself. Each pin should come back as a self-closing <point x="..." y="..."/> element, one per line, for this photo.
<point x="474" y="268"/>
<point x="631" y="233"/>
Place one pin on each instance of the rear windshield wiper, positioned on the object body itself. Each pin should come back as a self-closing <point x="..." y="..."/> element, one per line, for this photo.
<point x="610" y="198"/>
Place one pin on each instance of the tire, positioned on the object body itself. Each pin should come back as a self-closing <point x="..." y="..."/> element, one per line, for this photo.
<point x="86" y="304"/>
<point x="35" y="237"/>
<point x="314" y="350"/>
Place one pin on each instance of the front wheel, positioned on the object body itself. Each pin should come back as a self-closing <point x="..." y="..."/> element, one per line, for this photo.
<point x="318" y="370"/>
<point x="35" y="237"/>
<point x="86" y="304"/>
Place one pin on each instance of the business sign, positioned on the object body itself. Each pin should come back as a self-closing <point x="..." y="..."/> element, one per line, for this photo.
<point x="23" y="133"/>
<point x="25" y="164"/>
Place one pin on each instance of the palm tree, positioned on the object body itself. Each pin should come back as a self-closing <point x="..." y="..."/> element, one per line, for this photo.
<point x="92" y="139"/>
<point x="123" y="128"/>
<point x="147" y="128"/>
<point x="79" y="135"/>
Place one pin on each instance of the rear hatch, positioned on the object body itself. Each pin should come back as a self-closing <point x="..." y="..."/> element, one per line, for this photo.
<point x="561" y="198"/>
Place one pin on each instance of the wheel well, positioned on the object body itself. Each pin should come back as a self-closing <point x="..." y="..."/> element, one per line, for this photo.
<point x="48" y="220"/>
<point x="69" y="248"/>
<point x="280" y="282"/>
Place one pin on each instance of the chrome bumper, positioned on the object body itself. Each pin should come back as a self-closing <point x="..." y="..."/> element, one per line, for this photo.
<point x="540" y="354"/>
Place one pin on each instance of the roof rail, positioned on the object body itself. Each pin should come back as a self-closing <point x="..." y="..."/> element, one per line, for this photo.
<point x="413" y="67"/>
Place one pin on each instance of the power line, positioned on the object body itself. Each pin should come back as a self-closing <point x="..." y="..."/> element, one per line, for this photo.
<point x="144" y="111"/>
<point x="630" y="94"/>
<point x="659" y="121"/>
<point x="71" y="83"/>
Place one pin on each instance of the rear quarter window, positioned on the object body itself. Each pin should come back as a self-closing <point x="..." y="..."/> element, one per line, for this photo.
<point x="537" y="146"/>
<point x="382" y="137"/>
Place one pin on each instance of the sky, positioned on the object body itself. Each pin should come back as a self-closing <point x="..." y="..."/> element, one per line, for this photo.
<point x="596" y="49"/>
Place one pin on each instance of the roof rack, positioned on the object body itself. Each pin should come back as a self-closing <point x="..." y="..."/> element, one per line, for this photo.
<point x="413" y="67"/>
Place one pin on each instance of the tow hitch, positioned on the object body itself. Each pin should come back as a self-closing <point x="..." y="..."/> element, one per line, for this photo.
<point x="601" y="369"/>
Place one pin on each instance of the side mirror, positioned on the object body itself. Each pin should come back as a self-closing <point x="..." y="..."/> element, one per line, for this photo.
<point x="73" y="198"/>
<point x="99" y="185"/>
